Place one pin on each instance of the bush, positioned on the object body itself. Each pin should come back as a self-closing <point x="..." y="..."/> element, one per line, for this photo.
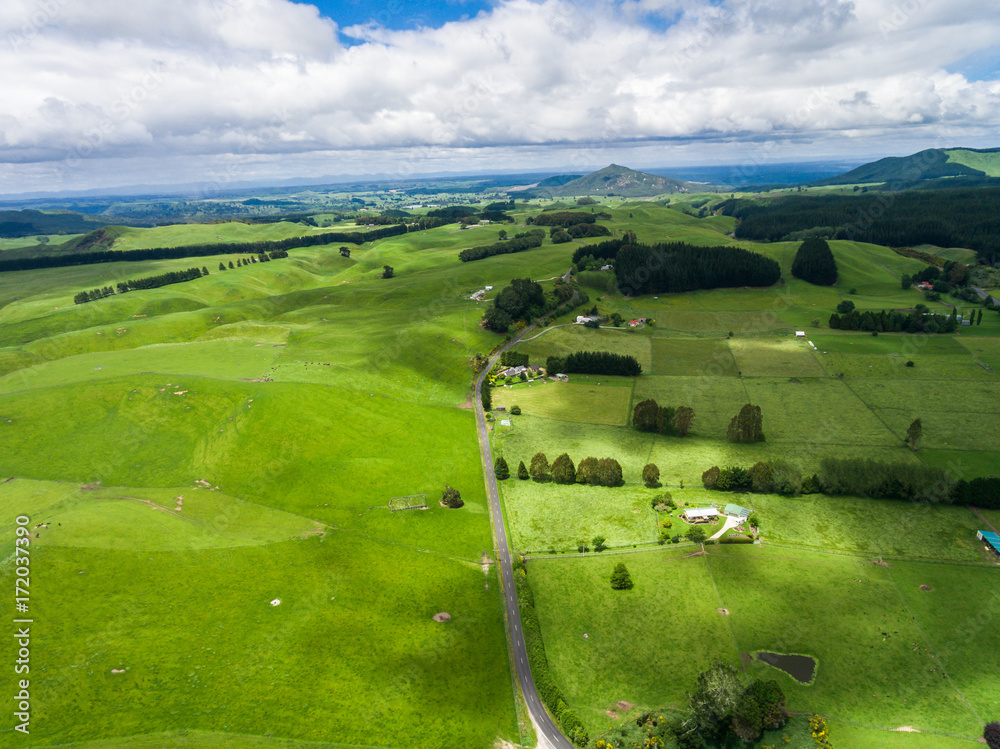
<point x="710" y="478"/>
<point x="675" y="540"/>
<point x="736" y="540"/>
<point x="515" y="410"/>
<point x="522" y="471"/>
<point x="664" y="500"/>
<point x="651" y="475"/>
<point x="697" y="535"/>
<point x="599" y="543"/>
<point x="451" y="497"/>
<point x="620" y="578"/>
<point x="991" y="733"/>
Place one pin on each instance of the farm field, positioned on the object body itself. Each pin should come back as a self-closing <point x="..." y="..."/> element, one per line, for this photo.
<point x="853" y="396"/>
<point x="194" y="452"/>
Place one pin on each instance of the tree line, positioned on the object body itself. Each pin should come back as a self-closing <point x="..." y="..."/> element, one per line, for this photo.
<point x="861" y="477"/>
<point x="649" y="416"/>
<point x="565" y="219"/>
<point x="945" y="218"/>
<point x="920" y="320"/>
<point x="594" y="362"/>
<point x="591" y="471"/>
<point x="677" y="267"/>
<point x="199" y="250"/>
<point x="520" y="242"/>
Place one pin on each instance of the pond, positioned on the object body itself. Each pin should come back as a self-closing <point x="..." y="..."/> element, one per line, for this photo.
<point x="799" y="667"/>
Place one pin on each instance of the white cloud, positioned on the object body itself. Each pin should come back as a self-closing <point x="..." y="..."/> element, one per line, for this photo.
<point x="188" y="82"/>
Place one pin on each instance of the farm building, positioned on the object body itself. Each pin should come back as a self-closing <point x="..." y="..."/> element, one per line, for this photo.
<point x="992" y="540"/>
<point x="700" y="514"/>
<point x="735" y="511"/>
<point x="637" y="322"/>
<point x="582" y="319"/>
<point x="562" y="377"/>
<point x="800" y="334"/>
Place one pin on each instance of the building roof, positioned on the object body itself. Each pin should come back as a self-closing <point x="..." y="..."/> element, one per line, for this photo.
<point x="701" y="512"/>
<point x="991" y="538"/>
<point x="737" y="511"/>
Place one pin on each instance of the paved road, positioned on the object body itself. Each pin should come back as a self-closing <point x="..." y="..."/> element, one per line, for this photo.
<point x="549" y="735"/>
<point x="983" y="295"/>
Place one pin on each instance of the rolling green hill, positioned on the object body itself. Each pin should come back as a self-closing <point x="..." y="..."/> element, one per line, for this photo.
<point x="930" y="164"/>
<point x="614" y="180"/>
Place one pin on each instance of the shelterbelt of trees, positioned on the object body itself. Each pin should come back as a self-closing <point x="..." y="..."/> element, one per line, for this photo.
<point x="945" y="218"/>
<point x="675" y="267"/>
<point x="202" y="250"/>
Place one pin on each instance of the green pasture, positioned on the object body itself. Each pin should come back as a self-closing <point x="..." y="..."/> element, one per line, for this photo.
<point x="775" y="357"/>
<point x="876" y="528"/>
<point x="584" y="398"/>
<point x="351" y="654"/>
<point x="297" y="448"/>
<point x="876" y="665"/>
<point x="692" y="357"/>
<point x="572" y="338"/>
<point x="984" y="162"/>
<point x="177" y="235"/>
<point x="544" y="516"/>
<point x="644" y="646"/>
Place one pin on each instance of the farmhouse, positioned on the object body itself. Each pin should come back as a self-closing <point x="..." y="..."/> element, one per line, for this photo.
<point x="699" y="515"/>
<point x="637" y="322"/>
<point x="992" y="540"/>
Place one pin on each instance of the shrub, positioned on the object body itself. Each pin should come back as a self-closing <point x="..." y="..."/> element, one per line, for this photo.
<point x="522" y="471"/>
<point x="515" y="410"/>
<point x="620" y="578"/>
<point x="991" y="733"/>
<point x="697" y="535"/>
<point x="501" y="469"/>
<point x="710" y="478"/>
<point x="599" y="544"/>
<point x="451" y="497"/>
<point x="651" y="475"/>
<point x="736" y="540"/>
<point x="675" y="540"/>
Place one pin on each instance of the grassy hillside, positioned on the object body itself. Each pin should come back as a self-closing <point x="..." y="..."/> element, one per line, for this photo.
<point x="986" y="161"/>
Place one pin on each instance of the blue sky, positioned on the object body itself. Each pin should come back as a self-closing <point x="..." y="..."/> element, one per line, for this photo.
<point x="399" y="15"/>
<point x="222" y="91"/>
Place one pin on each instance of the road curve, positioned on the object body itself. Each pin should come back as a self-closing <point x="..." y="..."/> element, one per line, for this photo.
<point x="550" y="737"/>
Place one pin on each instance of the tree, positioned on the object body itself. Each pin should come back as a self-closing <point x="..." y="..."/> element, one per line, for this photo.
<point x="814" y="262"/>
<point x="710" y="478"/>
<point x="388" y="271"/>
<point x="697" y="535"/>
<point x="586" y="472"/>
<point x="231" y="265"/>
<point x="761" y="707"/>
<point x="609" y="472"/>
<point x="914" y="432"/>
<point x="501" y="469"/>
<point x="991" y="733"/>
<point x="502" y="235"/>
<point x="715" y="699"/>
<point x="651" y="475"/>
<point x="762" y="478"/>
<point x="747" y="425"/>
<point x="979" y="319"/>
<point x="204" y="271"/>
<point x="683" y="418"/>
<point x="645" y="416"/>
<point x="905" y="281"/>
<point x="451" y="497"/>
<point x="539" y="467"/>
<point x="515" y="410"/>
<point x="522" y="471"/>
<point x="222" y="266"/>
<point x="599" y="543"/>
<point x="620" y="578"/>
<point x="345" y="251"/>
<point x="563" y="470"/>
<point x="846" y="307"/>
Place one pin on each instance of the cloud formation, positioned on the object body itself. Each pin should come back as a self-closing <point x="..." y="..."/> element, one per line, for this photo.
<point x="272" y="85"/>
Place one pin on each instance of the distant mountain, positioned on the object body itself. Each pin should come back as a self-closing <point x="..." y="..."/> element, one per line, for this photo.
<point x="932" y="164"/>
<point x="612" y="180"/>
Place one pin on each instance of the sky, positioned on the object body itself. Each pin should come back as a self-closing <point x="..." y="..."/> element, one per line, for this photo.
<point x="106" y="93"/>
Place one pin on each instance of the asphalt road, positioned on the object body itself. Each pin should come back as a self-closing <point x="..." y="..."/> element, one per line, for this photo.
<point x="550" y="736"/>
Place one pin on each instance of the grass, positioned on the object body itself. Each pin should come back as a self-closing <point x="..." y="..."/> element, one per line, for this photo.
<point x="644" y="646"/>
<point x="203" y="649"/>
<point x="567" y="340"/>
<point x="554" y="516"/>
<point x="874" y="663"/>
<point x="584" y="398"/>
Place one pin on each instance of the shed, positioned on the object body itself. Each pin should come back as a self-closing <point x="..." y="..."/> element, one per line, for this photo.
<point x="800" y="334"/>
<point x="562" y="377"/>
<point x="736" y="511"/>
<point x="990" y="539"/>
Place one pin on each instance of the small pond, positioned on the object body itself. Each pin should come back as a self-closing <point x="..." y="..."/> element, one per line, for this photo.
<point x="802" y="668"/>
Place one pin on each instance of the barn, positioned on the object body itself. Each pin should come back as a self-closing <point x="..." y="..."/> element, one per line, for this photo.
<point x="992" y="540"/>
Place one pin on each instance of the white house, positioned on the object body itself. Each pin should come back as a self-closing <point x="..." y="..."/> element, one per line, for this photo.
<point x="800" y="334"/>
<point x="581" y="319"/>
